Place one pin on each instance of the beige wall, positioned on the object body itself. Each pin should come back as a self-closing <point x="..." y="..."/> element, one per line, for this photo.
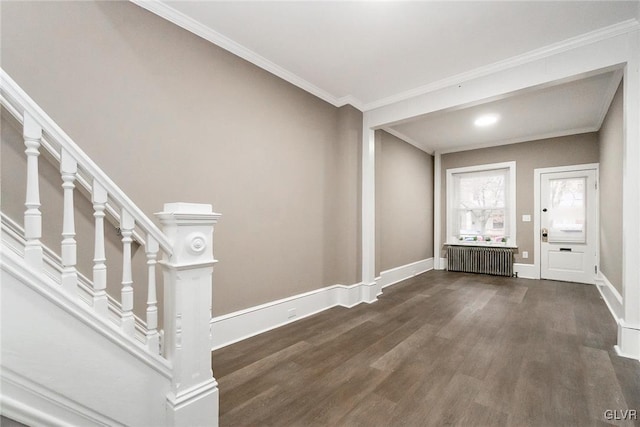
<point x="563" y="151"/>
<point x="348" y="231"/>
<point x="171" y="117"/>
<point x="611" y="156"/>
<point x="404" y="203"/>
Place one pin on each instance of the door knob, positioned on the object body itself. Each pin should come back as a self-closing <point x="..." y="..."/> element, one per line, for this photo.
<point x="545" y="234"/>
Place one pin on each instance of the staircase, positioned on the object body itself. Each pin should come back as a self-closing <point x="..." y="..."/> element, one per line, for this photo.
<point x="76" y="350"/>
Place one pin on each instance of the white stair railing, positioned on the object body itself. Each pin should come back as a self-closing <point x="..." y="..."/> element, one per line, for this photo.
<point x="40" y="132"/>
<point x="187" y="306"/>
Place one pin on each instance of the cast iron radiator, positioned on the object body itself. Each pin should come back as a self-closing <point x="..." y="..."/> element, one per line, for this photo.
<point x="497" y="261"/>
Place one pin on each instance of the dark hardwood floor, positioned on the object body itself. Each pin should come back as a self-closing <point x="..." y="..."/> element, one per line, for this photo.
<point x="438" y="349"/>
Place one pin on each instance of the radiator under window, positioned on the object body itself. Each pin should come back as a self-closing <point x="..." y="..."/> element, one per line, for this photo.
<point x="497" y="261"/>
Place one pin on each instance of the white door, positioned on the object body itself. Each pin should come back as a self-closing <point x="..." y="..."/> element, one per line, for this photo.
<point x="568" y="236"/>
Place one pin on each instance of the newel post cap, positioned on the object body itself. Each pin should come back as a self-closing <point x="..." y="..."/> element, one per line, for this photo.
<point x="187" y="213"/>
<point x="189" y="226"/>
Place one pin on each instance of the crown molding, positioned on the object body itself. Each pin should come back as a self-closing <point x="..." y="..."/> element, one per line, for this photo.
<point x="552" y="49"/>
<point x="180" y="19"/>
<point x="183" y="21"/>
<point x="349" y="99"/>
<point x="407" y="139"/>
<point x="537" y="137"/>
<point x="608" y="97"/>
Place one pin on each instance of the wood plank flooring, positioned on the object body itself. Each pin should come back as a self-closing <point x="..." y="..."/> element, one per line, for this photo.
<point x="439" y="349"/>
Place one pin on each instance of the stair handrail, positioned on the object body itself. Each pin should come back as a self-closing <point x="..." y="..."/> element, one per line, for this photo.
<point x="20" y="102"/>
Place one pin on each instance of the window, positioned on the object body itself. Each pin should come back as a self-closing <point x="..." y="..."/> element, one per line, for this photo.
<point x="567" y="213"/>
<point x="481" y="204"/>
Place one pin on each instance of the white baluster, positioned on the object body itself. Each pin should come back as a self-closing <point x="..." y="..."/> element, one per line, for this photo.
<point x="126" y="228"/>
<point x="153" y="338"/>
<point x="100" y="300"/>
<point x="32" y="133"/>
<point x="68" y="170"/>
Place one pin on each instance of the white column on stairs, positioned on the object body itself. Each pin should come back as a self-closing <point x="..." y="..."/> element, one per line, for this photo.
<point x="32" y="133"/>
<point x="153" y="338"/>
<point x="193" y="399"/>
<point x="68" y="170"/>
<point x="100" y="300"/>
<point x="126" y="229"/>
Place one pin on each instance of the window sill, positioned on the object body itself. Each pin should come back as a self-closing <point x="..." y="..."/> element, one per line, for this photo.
<point x="483" y="244"/>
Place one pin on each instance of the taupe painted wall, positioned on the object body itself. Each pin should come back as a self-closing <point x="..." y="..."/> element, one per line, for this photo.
<point x="171" y="117"/>
<point x="563" y="151"/>
<point x="404" y="203"/>
<point x="611" y="157"/>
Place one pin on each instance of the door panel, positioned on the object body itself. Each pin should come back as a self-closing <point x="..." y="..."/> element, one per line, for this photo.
<point x="565" y="261"/>
<point x="568" y="226"/>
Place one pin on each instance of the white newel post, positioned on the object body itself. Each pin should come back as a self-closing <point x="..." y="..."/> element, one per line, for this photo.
<point x="188" y="272"/>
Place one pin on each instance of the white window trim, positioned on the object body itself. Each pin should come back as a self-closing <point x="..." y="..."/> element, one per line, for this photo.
<point x="511" y="241"/>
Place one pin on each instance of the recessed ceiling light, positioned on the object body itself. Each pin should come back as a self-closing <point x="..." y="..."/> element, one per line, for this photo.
<point x="486" y="120"/>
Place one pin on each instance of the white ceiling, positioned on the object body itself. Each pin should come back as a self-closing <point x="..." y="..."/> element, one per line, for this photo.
<point x="373" y="53"/>
<point x="563" y="109"/>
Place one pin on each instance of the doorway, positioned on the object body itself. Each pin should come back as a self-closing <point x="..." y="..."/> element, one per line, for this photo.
<point x="567" y="218"/>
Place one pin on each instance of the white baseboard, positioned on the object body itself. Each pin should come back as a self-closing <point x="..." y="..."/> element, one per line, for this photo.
<point x="628" y="340"/>
<point x="443" y="264"/>
<point x="398" y="274"/>
<point x="239" y="325"/>
<point x="525" y="271"/>
<point x="628" y="335"/>
<point x="611" y="296"/>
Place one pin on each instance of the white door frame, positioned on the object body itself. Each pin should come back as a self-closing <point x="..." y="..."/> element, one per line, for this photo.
<point x="537" y="175"/>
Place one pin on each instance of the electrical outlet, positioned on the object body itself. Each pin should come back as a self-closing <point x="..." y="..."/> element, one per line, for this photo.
<point x="291" y="313"/>
<point x="525" y="254"/>
<point x="526" y="218"/>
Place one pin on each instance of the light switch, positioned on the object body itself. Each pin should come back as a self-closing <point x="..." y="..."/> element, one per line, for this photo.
<point x="526" y="218"/>
<point x="525" y="254"/>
